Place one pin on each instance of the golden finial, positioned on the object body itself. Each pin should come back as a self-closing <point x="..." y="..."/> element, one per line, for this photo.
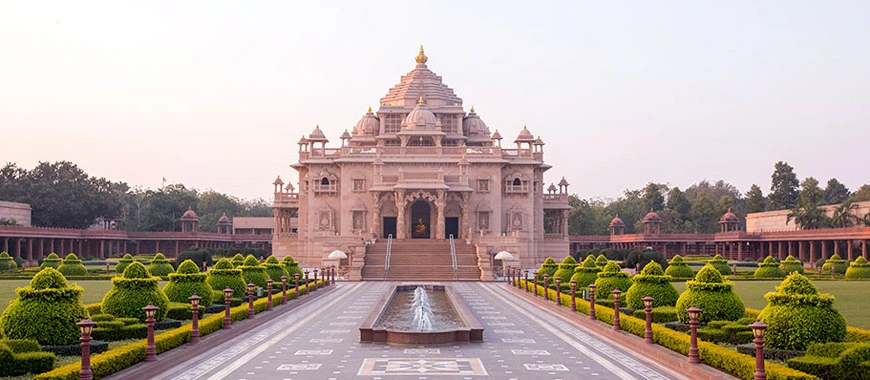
<point x="524" y="128"/>
<point x="472" y="109"/>
<point x="421" y="100"/>
<point x="370" y="109"/>
<point x="421" y="56"/>
<point x="317" y="126"/>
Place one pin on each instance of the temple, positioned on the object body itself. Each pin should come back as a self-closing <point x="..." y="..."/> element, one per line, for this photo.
<point x="420" y="179"/>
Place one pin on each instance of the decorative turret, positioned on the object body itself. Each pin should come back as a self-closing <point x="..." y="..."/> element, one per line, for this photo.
<point x="652" y="223"/>
<point x="617" y="226"/>
<point x="729" y="222"/>
<point x="563" y="186"/>
<point x="420" y="117"/>
<point x="224" y="225"/>
<point x="189" y="221"/>
<point x="368" y="126"/>
<point x="475" y="129"/>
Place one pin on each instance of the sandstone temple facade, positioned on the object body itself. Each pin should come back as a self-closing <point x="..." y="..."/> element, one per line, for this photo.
<point x="411" y="175"/>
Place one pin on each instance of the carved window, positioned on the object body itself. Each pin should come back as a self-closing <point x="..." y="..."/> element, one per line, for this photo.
<point x="325" y="185"/>
<point x="483" y="221"/>
<point x="359" y="185"/>
<point x="516" y="185"/>
<point x="359" y="220"/>
<point x="393" y="142"/>
<point x="483" y="185"/>
<point x="393" y="123"/>
<point x="448" y="124"/>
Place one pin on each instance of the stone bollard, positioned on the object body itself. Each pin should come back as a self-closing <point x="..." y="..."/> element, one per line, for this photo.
<point x="228" y="321"/>
<point x="558" y="297"/>
<point x="194" y="323"/>
<point x="694" y="313"/>
<point x="283" y="289"/>
<point x="592" y="301"/>
<point x="269" y="294"/>
<point x="546" y="286"/>
<point x="86" y="326"/>
<point x="251" y="300"/>
<point x="647" y="307"/>
<point x="573" y="295"/>
<point x="616" y="326"/>
<point x="150" y="348"/>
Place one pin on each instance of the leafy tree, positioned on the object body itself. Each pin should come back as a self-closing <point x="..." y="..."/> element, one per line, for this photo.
<point x="704" y="214"/>
<point x="811" y="194"/>
<point x="836" y="192"/>
<point x="844" y="215"/>
<point x="783" y="187"/>
<point x="754" y="199"/>
<point x="678" y="202"/>
<point x="725" y="203"/>
<point x="653" y="198"/>
<point x="863" y="194"/>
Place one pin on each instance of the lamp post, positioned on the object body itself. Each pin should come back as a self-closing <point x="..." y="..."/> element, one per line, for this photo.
<point x="150" y="349"/>
<point x="316" y="285"/>
<point x="86" y="326"/>
<point x="647" y="307"/>
<point x="592" y="301"/>
<point x="228" y="321"/>
<point x="616" y="326"/>
<point x="333" y="275"/>
<point x="558" y="290"/>
<point x="546" y="286"/>
<point x="283" y="289"/>
<point x="526" y="277"/>
<point x="194" y="323"/>
<point x="296" y="289"/>
<point x="307" y="284"/>
<point x="269" y="294"/>
<point x="694" y="313"/>
<point x="758" y="329"/>
<point x="535" y="282"/>
<point x="573" y="295"/>
<point x="250" y="300"/>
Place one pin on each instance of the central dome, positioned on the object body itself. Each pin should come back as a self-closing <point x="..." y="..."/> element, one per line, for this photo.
<point x="420" y="117"/>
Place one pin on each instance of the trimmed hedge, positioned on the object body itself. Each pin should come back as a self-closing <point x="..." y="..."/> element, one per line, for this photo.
<point x="238" y="260"/>
<point x="651" y="282"/>
<point x="51" y="261"/>
<point x="19" y="357"/>
<point x="837" y="263"/>
<point x="160" y="266"/>
<point x="714" y="295"/>
<point x="109" y="328"/>
<point x="253" y="272"/>
<point x="791" y="264"/>
<point x="678" y="268"/>
<point x="859" y="269"/>
<point x="132" y="291"/>
<point x="835" y="361"/>
<point x="769" y="268"/>
<point x="292" y="268"/>
<point x="797" y="315"/>
<point x="549" y="267"/>
<point x="187" y="281"/>
<point x="223" y="275"/>
<point x="601" y="261"/>
<point x="661" y="314"/>
<point x="72" y="266"/>
<point x="586" y="273"/>
<point x="123" y="263"/>
<point x="183" y="311"/>
<point x="275" y="270"/>
<point x="721" y="264"/>
<point x="610" y="278"/>
<point x="7" y="262"/>
<point x="566" y="270"/>
<point x="45" y="311"/>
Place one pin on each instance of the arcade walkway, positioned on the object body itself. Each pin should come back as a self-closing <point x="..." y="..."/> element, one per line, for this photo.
<point x="319" y="340"/>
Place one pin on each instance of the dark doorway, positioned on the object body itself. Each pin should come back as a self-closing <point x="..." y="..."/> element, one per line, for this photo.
<point x="451" y="227"/>
<point x="420" y="220"/>
<point x="389" y="226"/>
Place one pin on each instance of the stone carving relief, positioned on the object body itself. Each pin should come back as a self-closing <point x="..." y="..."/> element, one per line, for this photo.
<point x="516" y="219"/>
<point x="388" y="205"/>
<point x="326" y="218"/>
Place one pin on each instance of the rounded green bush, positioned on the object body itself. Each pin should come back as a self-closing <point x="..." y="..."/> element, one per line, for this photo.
<point x="721" y="264"/>
<point x="253" y="272"/>
<point x="838" y="263"/>
<point x="791" y="264"/>
<point x="238" y="260"/>
<point x="275" y="270"/>
<point x="769" y="268"/>
<point x="123" y="263"/>
<point x="601" y="261"/>
<point x="7" y="262"/>
<point x="566" y="270"/>
<point x="223" y="275"/>
<point x="652" y="282"/>
<point x="610" y="278"/>
<point x="549" y="267"/>
<point x="50" y="261"/>
<point x="586" y="273"/>
<point x="46" y="311"/>
<point x="187" y="281"/>
<point x="160" y="266"/>
<point x="678" y="268"/>
<point x="859" y="268"/>
<point x="797" y="315"/>
<point x="132" y="291"/>
<point x="292" y="268"/>
<point x="72" y="266"/>
<point x="711" y="293"/>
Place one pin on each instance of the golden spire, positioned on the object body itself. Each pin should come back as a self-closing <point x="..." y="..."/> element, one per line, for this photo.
<point x="421" y="56"/>
<point x="472" y="109"/>
<point x="421" y="100"/>
<point x="370" y="109"/>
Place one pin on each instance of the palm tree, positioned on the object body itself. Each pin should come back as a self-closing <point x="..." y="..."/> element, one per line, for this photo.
<point x="844" y="215"/>
<point x="808" y="218"/>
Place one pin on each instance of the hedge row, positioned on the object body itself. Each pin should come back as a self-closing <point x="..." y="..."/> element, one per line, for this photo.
<point x="737" y="364"/>
<point x="123" y="357"/>
<point x="18" y="357"/>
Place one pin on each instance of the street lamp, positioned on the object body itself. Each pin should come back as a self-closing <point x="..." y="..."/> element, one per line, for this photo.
<point x="316" y="285"/>
<point x="647" y="307"/>
<point x="526" y="278"/>
<point x="758" y="329"/>
<point x="296" y="289"/>
<point x="228" y="321"/>
<point x="307" y="284"/>
<point x="250" y="300"/>
<point x="694" y="313"/>
<point x="616" y="325"/>
<point x="546" y="286"/>
<point x="269" y="294"/>
<point x="558" y="297"/>
<point x="86" y="326"/>
<point x="283" y="289"/>
<point x="573" y="295"/>
<point x="194" y="330"/>
<point x="150" y="349"/>
<point x="592" y="301"/>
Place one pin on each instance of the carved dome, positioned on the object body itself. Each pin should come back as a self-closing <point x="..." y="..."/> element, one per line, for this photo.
<point x="617" y="222"/>
<point x="224" y="219"/>
<point x="189" y="214"/>
<point x="420" y="117"/>
<point x="525" y="136"/>
<point x="729" y="217"/>
<point x="369" y="125"/>
<point x="652" y="216"/>
<point x="472" y="125"/>
<point x="317" y="135"/>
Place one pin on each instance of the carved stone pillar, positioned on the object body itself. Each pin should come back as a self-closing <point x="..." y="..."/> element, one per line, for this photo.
<point x="565" y="224"/>
<point x="439" y="213"/>
<point x="400" y="220"/>
<point x="466" y="226"/>
<point x="376" y="215"/>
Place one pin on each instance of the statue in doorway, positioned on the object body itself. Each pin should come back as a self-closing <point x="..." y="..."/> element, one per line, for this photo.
<point x="421" y="229"/>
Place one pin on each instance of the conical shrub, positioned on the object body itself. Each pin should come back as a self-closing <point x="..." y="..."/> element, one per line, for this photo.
<point x="791" y="264"/>
<point x="46" y="311"/>
<point x="713" y="294"/>
<point x="132" y="291"/>
<point x="837" y="262"/>
<point x="678" y="268"/>
<point x="72" y="266"/>
<point x="160" y="266"/>
<point x="292" y="268"/>
<point x="275" y="270"/>
<point x="7" y="262"/>
<point x="549" y="267"/>
<point x="610" y="278"/>
<point x="797" y="315"/>
<point x="601" y="261"/>
<point x="50" y="261"/>
<point x="652" y="282"/>
<point x="253" y="272"/>
<point x="238" y="260"/>
<point x="721" y="264"/>
<point x="769" y="268"/>
<point x="566" y="270"/>
<point x="859" y="269"/>
<point x="586" y="273"/>
<point x="187" y="281"/>
<point x="123" y="263"/>
<point x="223" y="275"/>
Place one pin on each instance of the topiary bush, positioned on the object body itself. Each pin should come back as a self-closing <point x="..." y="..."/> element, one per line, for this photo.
<point x="160" y="266"/>
<point x="601" y="261"/>
<point x="238" y="260"/>
<point x="791" y="264"/>
<point x="721" y="264"/>
<point x="132" y="291"/>
<point x="72" y="266"/>
<point x="549" y="267"/>
<point x="714" y="295"/>
<point x="46" y="311"/>
<point x="50" y="261"/>
<point x="769" y="268"/>
<point x="797" y="315"/>
<point x="586" y="273"/>
<point x="187" y="281"/>
<point x="198" y="256"/>
<point x="661" y="314"/>
<point x="610" y="278"/>
<point x="837" y="263"/>
<point x="642" y="258"/>
<point x="859" y="269"/>
<point x="652" y="282"/>
<point x="7" y="262"/>
<point x="223" y="275"/>
<point x="275" y="271"/>
<point x="19" y="357"/>
<point x="123" y="263"/>
<point x="678" y="268"/>
<point x="253" y="272"/>
<point x="292" y="268"/>
<point x="566" y="270"/>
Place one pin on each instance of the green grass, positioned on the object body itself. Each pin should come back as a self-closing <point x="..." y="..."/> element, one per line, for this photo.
<point x="94" y="290"/>
<point x="851" y="297"/>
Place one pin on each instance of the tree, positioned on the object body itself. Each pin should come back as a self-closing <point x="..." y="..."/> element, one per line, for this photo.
<point x="836" y="192"/>
<point x="678" y="202"/>
<point x="863" y="194"/>
<point x="653" y="198"/>
<point x="844" y="215"/>
<point x="725" y="204"/>
<point x="754" y="199"/>
<point x="811" y="194"/>
<point x="704" y="214"/>
<point x="783" y="187"/>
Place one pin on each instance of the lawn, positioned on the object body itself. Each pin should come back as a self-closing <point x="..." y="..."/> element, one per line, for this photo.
<point x="94" y="290"/>
<point x="851" y="296"/>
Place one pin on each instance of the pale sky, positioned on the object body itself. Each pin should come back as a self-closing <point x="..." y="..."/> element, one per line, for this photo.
<point x="215" y="94"/>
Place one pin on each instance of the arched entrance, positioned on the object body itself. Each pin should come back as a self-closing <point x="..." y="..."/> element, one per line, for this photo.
<point x="421" y="220"/>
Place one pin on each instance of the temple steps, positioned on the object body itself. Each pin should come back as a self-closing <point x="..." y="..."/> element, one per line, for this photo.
<point x="425" y="260"/>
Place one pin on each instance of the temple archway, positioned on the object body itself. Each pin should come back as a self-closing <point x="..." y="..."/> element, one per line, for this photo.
<point x="421" y="220"/>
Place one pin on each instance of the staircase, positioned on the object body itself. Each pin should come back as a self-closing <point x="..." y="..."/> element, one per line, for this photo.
<point x="421" y="260"/>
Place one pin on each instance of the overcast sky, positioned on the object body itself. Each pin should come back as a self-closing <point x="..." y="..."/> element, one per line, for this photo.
<point x="215" y="94"/>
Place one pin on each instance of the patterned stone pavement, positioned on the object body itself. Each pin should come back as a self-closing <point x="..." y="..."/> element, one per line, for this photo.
<point x="320" y="340"/>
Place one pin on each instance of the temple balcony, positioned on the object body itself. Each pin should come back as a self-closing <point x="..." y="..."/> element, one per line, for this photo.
<point x="556" y="201"/>
<point x="286" y="200"/>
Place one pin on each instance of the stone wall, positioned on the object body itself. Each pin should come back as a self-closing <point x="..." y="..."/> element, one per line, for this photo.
<point x="18" y="211"/>
<point x="776" y="220"/>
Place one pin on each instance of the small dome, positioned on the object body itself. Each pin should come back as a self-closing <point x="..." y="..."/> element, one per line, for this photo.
<point x="729" y="217"/>
<point x="368" y="125"/>
<point x="420" y="117"/>
<point x="303" y="140"/>
<point x="189" y="214"/>
<point x="224" y="219"/>
<point x="552" y="188"/>
<point x="617" y="222"/>
<point x="496" y="135"/>
<point x="472" y="125"/>
<point x="563" y="182"/>
<point x="278" y="181"/>
<point x="345" y="135"/>
<point x="652" y="216"/>
<point x="538" y="141"/>
<point x="317" y="135"/>
<point x="525" y="136"/>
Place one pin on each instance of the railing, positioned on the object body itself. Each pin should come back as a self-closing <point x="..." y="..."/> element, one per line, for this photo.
<point x="453" y="255"/>
<point x="389" y="252"/>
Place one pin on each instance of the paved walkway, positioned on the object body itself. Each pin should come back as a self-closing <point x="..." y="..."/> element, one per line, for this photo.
<point x="320" y="340"/>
